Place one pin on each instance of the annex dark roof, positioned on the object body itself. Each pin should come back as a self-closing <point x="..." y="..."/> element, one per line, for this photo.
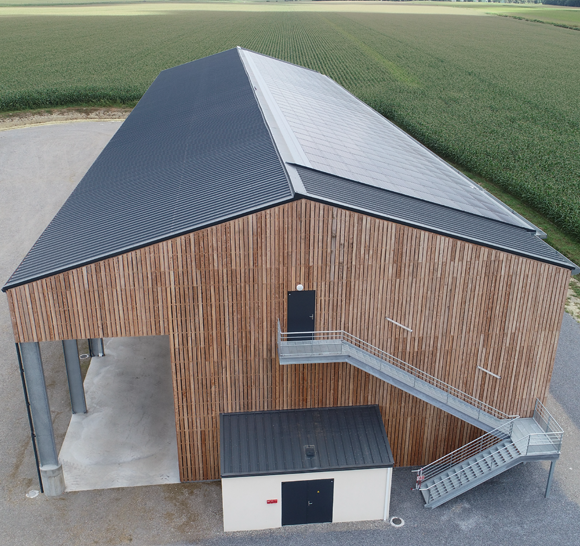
<point x="238" y="132"/>
<point x="303" y="440"/>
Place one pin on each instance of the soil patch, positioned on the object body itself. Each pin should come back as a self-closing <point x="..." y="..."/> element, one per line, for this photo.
<point x="30" y="118"/>
<point x="573" y="299"/>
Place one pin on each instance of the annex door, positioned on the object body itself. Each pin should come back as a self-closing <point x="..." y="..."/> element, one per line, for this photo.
<point x="307" y="502"/>
<point x="301" y="309"/>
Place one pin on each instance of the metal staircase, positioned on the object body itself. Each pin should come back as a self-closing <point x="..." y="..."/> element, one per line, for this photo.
<point x="510" y="440"/>
<point x="340" y="346"/>
<point x="514" y="442"/>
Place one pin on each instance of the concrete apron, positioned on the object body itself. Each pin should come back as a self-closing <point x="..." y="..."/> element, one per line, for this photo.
<point x="127" y="438"/>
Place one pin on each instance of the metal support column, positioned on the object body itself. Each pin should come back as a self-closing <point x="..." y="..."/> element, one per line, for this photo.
<point x="75" y="379"/>
<point x="50" y="468"/>
<point x="550" y="477"/>
<point x="96" y="346"/>
<point x="31" y="424"/>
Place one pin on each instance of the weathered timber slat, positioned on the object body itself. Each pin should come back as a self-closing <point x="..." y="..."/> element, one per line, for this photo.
<point x="218" y="292"/>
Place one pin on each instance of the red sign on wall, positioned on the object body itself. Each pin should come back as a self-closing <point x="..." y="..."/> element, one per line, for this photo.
<point x="272" y="501"/>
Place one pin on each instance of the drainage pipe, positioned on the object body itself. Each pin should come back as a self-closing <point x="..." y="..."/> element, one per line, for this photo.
<point x="388" y="494"/>
<point x="50" y="469"/>
<point x="32" y="434"/>
<point x="96" y="346"/>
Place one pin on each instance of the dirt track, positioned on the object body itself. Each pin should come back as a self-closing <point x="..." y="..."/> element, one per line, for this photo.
<point x="64" y="115"/>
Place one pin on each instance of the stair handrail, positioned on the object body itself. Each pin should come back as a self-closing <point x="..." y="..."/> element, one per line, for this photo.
<point x="465" y="468"/>
<point x="521" y="445"/>
<point x="501" y="433"/>
<point x="545" y="420"/>
<point x="549" y="438"/>
<point x="341" y="335"/>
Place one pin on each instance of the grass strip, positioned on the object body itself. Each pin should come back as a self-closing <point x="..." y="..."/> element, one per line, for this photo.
<point x="561" y="241"/>
<point x="561" y="25"/>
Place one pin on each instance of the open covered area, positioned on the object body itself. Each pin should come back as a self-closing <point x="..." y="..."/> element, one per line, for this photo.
<point x="127" y="438"/>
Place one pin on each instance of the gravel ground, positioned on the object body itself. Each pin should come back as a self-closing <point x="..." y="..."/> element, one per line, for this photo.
<point x="39" y="167"/>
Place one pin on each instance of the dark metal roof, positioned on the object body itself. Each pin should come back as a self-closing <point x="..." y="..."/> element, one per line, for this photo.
<point x="193" y="152"/>
<point x="197" y="151"/>
<point x="303" y="440"/>
<point x="429" y="216"/>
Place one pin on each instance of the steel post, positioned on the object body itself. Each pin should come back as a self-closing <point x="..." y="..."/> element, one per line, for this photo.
<point x="550" y="478"/>
<point x="50" y="468"/>
<point x="96" y="346"/>
<point x="75" y="379"/>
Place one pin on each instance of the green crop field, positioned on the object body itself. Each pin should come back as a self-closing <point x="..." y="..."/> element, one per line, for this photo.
<point x="498" y="96"/>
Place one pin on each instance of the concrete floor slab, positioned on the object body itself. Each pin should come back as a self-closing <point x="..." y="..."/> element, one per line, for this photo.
<point x="127" y="438"/>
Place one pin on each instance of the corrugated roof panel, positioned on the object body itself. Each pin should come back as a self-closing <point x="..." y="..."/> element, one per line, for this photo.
<point x="343" y="136"/>
<point x="197" y="150"/>
<point x="194" y="151"/>
<point x="430" y="216"/>
<point x="276" y="442"/>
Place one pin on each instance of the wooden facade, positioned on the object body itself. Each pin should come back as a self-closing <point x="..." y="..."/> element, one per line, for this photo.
<point x="218" y="293"/>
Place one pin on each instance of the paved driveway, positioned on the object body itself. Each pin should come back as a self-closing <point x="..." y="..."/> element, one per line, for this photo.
<point x="39" y="167"/>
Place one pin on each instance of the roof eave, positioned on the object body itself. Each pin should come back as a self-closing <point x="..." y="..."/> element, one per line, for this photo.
<point x="575" y="270"/>
<point x="105" y="256"/>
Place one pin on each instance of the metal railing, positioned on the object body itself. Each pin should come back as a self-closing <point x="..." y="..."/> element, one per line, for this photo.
<point x="463" y="472"/>
<point x="294" y="347"/>
<point x="465" y="452"/>
<point x="553" y="432"/>
<point x="545" y="420"/>
<point x="548" y="442"/>
<point x="527" y="445"/>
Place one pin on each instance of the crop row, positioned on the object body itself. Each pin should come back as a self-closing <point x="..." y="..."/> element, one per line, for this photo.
<point x="497" y="96"/>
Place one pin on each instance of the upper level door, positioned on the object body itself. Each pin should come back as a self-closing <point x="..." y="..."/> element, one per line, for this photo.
<point x="301" y="310"/>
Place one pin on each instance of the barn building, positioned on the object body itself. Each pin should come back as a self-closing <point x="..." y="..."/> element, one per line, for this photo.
<point x="299" y="251"/>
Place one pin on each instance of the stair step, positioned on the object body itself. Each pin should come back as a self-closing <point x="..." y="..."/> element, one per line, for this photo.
<point x="508" y="455"/>
<point x="454" y="478"/>
<point x="477" y="466"/>
<point x="468" y="472"/>
<point x="513" y="450"/>
<point x="447" y="484"/>
<point x="496" y="458"/>
<point x="472" y="471"/>
<point x="485" y="462"/>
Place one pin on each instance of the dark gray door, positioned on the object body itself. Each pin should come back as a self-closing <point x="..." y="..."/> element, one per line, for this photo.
<point x="301" y="309"/>
<point x="307" y="502"/>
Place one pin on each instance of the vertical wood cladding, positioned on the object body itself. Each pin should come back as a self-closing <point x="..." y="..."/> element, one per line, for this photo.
<point x="218" y="293"/>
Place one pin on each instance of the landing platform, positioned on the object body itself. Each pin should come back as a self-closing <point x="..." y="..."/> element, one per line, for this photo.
<point x="540" y="444"/>
<point x="128" y="436"/>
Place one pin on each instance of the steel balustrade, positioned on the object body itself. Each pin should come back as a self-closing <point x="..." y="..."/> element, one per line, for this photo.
<point x="465" y="452"/>
<point x="291" y="347"/>
<point x="547" y="443"/>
